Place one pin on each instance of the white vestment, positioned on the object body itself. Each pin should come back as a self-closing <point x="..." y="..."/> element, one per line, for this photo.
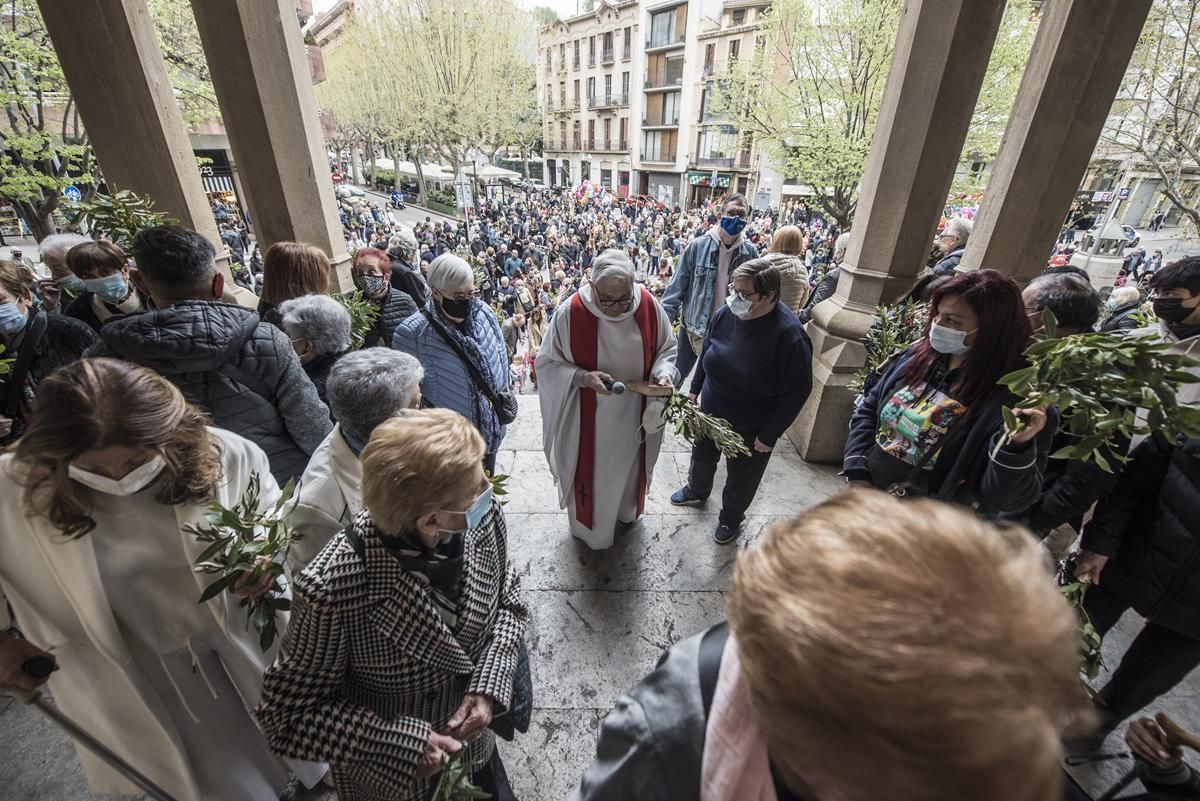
<point x="619" y="431"/>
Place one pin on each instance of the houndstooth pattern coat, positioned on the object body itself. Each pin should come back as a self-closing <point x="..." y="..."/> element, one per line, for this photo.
<point x="368" y="667"/>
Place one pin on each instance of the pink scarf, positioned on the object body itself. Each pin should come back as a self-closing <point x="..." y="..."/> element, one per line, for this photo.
<point x="735" y="765"/>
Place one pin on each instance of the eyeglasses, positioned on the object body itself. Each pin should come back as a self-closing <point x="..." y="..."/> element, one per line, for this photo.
<point x="621" y="304"/>
<point x="740" y="295"/>
<point x="460" y="295"/>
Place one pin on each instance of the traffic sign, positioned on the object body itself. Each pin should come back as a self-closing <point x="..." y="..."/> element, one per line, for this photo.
<point x="1123" y="194"/>
<point x="72" y="193"/>
<point x="337" y="177"/>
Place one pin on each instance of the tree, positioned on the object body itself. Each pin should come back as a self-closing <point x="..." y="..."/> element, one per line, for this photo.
<point x="45" y="146"/>
<point x="1155" y="120"/>
<point x="186" y="66"/>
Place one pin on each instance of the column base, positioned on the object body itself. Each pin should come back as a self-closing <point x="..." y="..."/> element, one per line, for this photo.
<point x="340" y="279"/>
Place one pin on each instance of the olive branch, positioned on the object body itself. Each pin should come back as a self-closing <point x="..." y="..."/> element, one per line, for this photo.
<point x="695" y="425"/>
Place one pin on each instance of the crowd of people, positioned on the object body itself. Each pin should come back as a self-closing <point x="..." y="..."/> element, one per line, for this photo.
<point x="902" y="638"/>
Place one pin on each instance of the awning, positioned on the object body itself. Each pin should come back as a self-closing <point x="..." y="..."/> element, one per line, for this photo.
<point x="798" y="189"/>
<point x="700" y="178"/>
<point x="217" y="183"/>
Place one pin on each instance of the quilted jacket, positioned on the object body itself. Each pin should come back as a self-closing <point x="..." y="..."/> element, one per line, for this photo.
<point x="397" y="306"/>
<point x="368" y="667"/>
<point x="242" y="371"/>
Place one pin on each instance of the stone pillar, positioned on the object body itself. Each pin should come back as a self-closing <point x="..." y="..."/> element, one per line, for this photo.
<point x="260" y="72"/>
<point x="941" y="55"/>
<point x="127" y="106"/>
<point x="1075" y="69"/>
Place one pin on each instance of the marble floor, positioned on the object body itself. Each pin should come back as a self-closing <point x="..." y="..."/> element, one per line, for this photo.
<point x="600" y="620"/>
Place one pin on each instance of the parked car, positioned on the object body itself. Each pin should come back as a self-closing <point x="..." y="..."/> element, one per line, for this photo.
<point x="347" y="191"/>
<point x="1132" y="237"/>
<point x="535" y="185"/>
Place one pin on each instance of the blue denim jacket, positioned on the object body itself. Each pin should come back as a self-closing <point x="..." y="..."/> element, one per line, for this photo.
<point x="691" y="287"/>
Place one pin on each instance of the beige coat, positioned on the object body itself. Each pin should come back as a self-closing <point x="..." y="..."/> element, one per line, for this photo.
<point x="328" y="498"/>
<point x="793" y="280"/>
<point x="55" y="590"/>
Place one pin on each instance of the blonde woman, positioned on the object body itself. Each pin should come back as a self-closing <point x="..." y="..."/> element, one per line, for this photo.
<point x="787" y="255"/>
<point x="875" y="649"/>
<point x="94" y="562"/>
<point x="406" y="627"/>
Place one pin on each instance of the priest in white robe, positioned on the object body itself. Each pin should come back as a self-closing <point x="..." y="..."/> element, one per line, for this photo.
<point x="602" y="447"/>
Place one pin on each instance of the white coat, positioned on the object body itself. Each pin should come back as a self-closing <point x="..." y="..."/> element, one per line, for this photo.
<point x="56" y="592"/>
<point x="329" y="497"/>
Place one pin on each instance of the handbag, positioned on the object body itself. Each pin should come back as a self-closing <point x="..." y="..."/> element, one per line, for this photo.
<point x="503" y="403"/>
<point x="519" y="713"/>
<point x="913" y="485"/>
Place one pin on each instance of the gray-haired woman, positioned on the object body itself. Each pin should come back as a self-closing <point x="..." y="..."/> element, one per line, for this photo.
<point x="319" y="328"/>
<point x="364" y="389"/>
<point x="458" y="342"/>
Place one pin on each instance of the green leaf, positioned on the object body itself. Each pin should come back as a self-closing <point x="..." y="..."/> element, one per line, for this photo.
<point x="217" y="587"/>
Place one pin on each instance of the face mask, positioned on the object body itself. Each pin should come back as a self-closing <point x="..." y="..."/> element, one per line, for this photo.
<point x="110" y="288"/>
<point x="1112" y="303"/>
<point x="370" y="285"/>
<point x="737" y="305"/>
<point x="12" y="319"/>
<point x="476" y="513"/>
<point x="1171" y="310"/>
<point x="134" y="481"/>
<point x="70" y="282"/>
<point x="732" y="226"/>
<point x="947" y="340"/>
<point x="459" y="308"/>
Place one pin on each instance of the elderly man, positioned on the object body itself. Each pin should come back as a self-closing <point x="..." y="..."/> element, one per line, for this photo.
<point x="63" y="286"/>
<point x="602" y="447"/>
<point x="364" y="389"/>
<point x="951" y="243"/>
<point x="406" y="275"/>
<point x="319" y="328"/>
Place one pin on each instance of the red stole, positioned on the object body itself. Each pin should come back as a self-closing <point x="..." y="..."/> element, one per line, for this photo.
<point x="584" y="346"/>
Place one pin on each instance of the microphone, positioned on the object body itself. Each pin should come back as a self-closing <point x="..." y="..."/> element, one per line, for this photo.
<point x="615" y="387"/>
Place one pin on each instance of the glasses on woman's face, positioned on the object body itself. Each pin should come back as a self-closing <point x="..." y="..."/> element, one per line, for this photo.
<point x="621" y="304"/>
<point x="467" y="295"/>
<point x="740" y="295"/>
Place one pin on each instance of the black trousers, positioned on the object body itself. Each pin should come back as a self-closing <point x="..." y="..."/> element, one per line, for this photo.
<point x="1157" y="659"/>
<point x="492" y="778"/>
<point x="745" y="474"/>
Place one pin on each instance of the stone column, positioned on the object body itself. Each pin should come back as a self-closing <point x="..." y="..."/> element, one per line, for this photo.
<point x="1075" y="69"/>
<point x="127" y="106"/>
<point x="941" y="55"/>
<point x="260" y="72"/>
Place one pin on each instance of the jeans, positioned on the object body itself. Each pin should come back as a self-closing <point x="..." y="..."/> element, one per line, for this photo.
<point x="685" y="357"/>
<point x="1157" y="659"/>
<point x="744" y="475"/>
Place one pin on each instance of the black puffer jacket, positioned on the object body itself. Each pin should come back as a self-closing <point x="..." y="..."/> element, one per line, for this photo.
<point x="1149" y="526"/>
<point x="396" y="306"/>
<point x="1122" y="318"/>
<point x="237" y="368"/>
<point x="408" y="279"/>
<point x="63" y="342"/>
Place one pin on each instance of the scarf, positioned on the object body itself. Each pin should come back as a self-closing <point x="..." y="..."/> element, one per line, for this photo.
<point x="439" y="570"/>
<point x="482" y="413"/>
<point x="735" y="765"/>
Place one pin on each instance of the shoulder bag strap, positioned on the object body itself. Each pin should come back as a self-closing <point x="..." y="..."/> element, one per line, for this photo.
<point x="484" y="386"/>
<point x="356" y="543"/>
<point x="708" y="662"/>
<point x="15" y="384"/>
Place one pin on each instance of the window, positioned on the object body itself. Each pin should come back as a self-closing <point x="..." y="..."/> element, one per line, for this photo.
<point x="575" y="97"/>
<point x="562" y="94"/>
<point x="624" y="143"/>
<point x="670" y="112"/>
<point x="577" y="53"/>
<point x="658" y="145"/>
<point x="549" y="96"/>
<point x="576" y="136"/>
<point x="562" y="56"/>
<point x="591" y="90"/>
<point x="608" y="95"/>
<point x="734" y="48"/>
<point x="667" y="27"/>
<point x="627" y="50"/>
<point x="738" y="16"/>
<point x="710" y="56"/>
<point x="562" y="135"/>
<point x="624" y="88"/>
<point x="591" y="51"/>
<point x="591" y="134"/>
<point x="664" y="69"/>
<point x="608" y="133"/>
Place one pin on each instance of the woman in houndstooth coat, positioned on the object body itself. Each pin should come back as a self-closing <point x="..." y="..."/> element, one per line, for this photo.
<point x="406" y="627"/>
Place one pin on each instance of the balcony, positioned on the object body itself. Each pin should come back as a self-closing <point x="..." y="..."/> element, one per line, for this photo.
<point x="666" y="82"/>
<point x="661" y="157"/>
<point x="606" y="57"/>
<point x="577" y="143"/>
<point x="715" y="162"/>
<point x="661" y="121"/>
<point x="562" y="68"/>
<point x="743" y="160"/>
<point x="612" y="100"/>
<point x="606" y="145"/>
<point x="656" y="43"/>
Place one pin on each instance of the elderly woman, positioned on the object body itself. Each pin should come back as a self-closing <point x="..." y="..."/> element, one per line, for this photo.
<point x="291" y="270"/>
<point x="372" y="270"/>
<point x="458" y="342"/>
<point x="63" y="286"/>
<point x="98" y="569"/>
<point x="860" y="661"/>
<point x="37" y="342"/>
<point x="1123" y="304"/>
<point x="755" y="370"/>
<point x="406" y="627"/>
<point x="104" y="270"/>
<point x="364" y="388"/>
<point x="602" y="447"/>
<point x="319" y="328"/>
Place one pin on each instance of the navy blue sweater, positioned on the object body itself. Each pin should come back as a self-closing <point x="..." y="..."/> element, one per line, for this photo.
<point x="755" y="373"/>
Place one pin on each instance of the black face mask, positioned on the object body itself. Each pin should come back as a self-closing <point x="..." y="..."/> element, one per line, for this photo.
<point x="459" y="308"/>
<point x="1171" y="310"/>
<point x="370" y="285"/>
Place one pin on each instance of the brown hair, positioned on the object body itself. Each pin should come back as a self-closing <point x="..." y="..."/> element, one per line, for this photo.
<point x="763" y="273"/>
<point x="418" y="463"/>
<point x="16" y="279"/>
<point x="789" y="239"/>
<point x="907" y="649"/>
<point x="95" y="259"/>
<point x="292" y="269"/>
<point x="98" y="403"/>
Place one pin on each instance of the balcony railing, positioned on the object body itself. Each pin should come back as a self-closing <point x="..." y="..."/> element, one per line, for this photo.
<point x="626" y="52"/>
<point x="605" y="145"/>
<point x="661" y="119"/>
<point x="669" y="81"/>
<point x="664" y="41"/>
<point x="591" y="59"/>
<point x="717" y="162"/>
<point x="578" y="143"/>
<point x="611" y="100"/>
<point x="661" y="156"/>
<point x="606" y="57"/>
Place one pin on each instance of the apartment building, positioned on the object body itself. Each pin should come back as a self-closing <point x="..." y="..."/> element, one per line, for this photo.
<point x="587" y="73"/>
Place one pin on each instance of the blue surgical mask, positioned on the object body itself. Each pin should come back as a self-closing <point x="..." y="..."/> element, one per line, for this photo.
<point x="70" y="282"/>
<point x="476" y="513"/>
<point x="732" y="226"/>
<point x="1111" y="303"/>
<point x="948" y="340"/>
<point x="111" y="288"/>
<point x="739" y="306"/>
<point x="12" y="319"/>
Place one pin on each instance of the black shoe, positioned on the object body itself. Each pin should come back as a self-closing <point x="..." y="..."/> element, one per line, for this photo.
<point x="726" y="533"/>
<point x="685" y="497"/>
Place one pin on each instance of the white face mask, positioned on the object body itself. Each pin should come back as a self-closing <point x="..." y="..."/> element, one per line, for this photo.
<point x="739" y="306"/>
<point x="948" y="340"/>
<point x="133" y="482"/>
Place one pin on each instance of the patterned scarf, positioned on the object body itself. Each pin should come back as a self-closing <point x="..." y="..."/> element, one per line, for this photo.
<point x="439" y="570"/>
<point x="483" y="415"/>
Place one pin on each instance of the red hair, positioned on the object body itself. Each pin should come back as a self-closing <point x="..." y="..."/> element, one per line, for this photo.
<point x="382" y="260"/>
<point x="1000" y="338"/>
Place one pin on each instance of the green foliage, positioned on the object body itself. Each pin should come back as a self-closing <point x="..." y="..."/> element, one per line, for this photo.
<point x="363" y="314"/>
<point x="119" y="216"/>
<point x="696" y="425"/>
<point x="245" y="543"/>
<point x="499" y="484"/>
<point x="1099" y="382"/>
<point x="1089" y="638"/>
<point x="454" y="782"/>
<point x="894" y="329"/>
<point x="5" y="364"/>
<point x="187" y="67"/>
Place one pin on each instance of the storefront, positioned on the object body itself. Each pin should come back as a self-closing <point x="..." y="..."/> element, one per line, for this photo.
<point x="704" y="186"/>
<point x="216" y="174"/>
<point x="663" y="187"/>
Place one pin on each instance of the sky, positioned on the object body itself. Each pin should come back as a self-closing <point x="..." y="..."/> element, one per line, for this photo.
<point x="565" y="8"/>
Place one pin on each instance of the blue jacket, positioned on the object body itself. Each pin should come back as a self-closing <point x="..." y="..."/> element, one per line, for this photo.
<point x="511" y="265"/>
<point x="691" y="289"/>
<point x="446" y="384"/>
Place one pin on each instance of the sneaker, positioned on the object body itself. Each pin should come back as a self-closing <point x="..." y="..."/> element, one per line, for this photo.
<point x="726" y="533"/>
<point x="685" y="497"/>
